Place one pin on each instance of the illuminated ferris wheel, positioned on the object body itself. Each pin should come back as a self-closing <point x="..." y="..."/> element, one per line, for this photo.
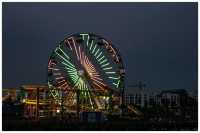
<point x="88" y="69"/>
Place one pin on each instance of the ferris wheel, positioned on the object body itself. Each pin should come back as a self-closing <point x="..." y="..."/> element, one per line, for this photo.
<point x="88" y="64"/>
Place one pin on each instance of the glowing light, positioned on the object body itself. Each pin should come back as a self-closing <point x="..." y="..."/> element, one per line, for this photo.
<point x="88" y="39"/>
<point x="94" y="48"/>
<point x="55" y="69"/>
<point x="51" y="63"/>
<point x="103" y="61"/>
<point x="56" y="74"/>
<point x="96" y="52"/>
<point x="98" y="82"/>
<point x="58" y="111"/>
<point x="84" y="35"/>
<point x="64" y="53"/>
<point x="69" y="64"/>
<point x="68" y="44"/>
<point x="75" y="49"/>
<point x="113" y="77"/>
<point x="91" y="45"/>
<point x="63" y="84"/>
<point x="98" y="85"/>
<point x="107" y="68"/>
<point x="110" y="72"/>
<point x="96" y="77"/>
<point x="117" y="84"/>
<point x="80" y="54"/>
<point x="90" y="73"/>
<point x="105" y="64"/>
<point x="24" y="100"/>
<point x="101" y="58"/>
<point x="99" y="55"/>
<point x="81" y="72"/>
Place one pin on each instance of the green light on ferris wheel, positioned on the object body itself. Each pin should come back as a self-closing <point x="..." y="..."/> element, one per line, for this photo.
<point x="94" y="49"/>
<point x="91" y="45"/>
<point x="96" y="52"/>
<point x="105" y="60"/>
<point x="98" y="55"/>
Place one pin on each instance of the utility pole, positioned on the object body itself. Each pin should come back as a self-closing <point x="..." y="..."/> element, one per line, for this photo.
<point x="62" y="102"/>
<point x="78" y="102"/>
<point x="37" y="103"/>
<point x="123" y="102"/>
<point x="110" y="101"/>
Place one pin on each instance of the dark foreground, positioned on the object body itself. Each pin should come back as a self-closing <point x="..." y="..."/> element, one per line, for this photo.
<point x="114" y="125"/>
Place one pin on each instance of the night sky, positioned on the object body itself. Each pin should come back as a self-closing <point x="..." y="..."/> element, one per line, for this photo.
<point x="157" y="41"/>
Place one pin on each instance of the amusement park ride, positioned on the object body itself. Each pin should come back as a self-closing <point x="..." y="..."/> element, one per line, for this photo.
<point x="86" y="73"/>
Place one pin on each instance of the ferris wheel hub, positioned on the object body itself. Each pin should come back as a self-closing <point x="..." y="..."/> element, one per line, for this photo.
<point x="81" y="72"/>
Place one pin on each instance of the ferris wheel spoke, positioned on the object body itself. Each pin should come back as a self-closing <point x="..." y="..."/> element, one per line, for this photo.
<point x="88" y="39"/>
<point x="110" y="72"/>
<point x="55" y="69"/>
<point x="74" y="79"/>
<point x="56" y="74"/>
<point x="117" y="84"/>
<point x="64" y="84"/>
<point x="89" y="64"/>
<point x="94" y="48"/>
<point x="99" y="86"/>
<point x="105" y="60"/>
<point x="74" y="76"/>
<point x="98" y="55"/>
<point x="114" y="78"/>
<point x="80" y="55"/>
<point x="97" y="78"/>
<point x="64" y="53"/>
<point x="97" y="81"/>
<point x="107" y="68"/>
<point x="57" y="53"/>
<point x="72" y="73"/>
<point x="58" y="78"/>
<point x="67" y="63"/>
<point x="68" y="43"/>
<point x="96" y="52"/>
<point x="70" y="70"/>
<point x="74" y="44"/>
<point x="102" y="57"/>
<point x="51" y="63"/>
<point x="105" y="64"/>
<point x="91" y="45"/>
